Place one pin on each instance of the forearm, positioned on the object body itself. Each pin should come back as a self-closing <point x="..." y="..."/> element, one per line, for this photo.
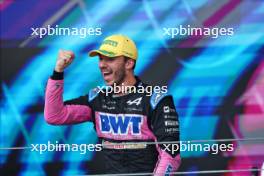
<point x="55" y="112"/>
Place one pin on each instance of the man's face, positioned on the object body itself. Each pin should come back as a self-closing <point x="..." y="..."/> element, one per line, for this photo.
<point x="112" y="69"/>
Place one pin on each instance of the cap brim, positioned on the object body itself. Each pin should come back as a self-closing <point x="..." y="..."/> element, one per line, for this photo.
<point x="102" y="52"/>
<point x="94" y="53"/>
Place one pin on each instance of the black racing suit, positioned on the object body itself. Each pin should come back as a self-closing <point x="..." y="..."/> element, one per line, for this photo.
<point x="123" y="124"/>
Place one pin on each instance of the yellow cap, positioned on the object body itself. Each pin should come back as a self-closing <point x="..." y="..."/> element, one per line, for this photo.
<point x="116" y="45"/>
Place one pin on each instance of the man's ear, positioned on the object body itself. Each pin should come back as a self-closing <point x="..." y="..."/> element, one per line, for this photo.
<point x="130" y="63"/>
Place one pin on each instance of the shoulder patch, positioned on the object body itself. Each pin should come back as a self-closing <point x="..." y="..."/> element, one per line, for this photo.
<point x="93" y="93"/>
<point x="156" y="98"/>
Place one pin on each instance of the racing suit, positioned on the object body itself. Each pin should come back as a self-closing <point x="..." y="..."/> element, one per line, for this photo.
<point x="118" y="120"/>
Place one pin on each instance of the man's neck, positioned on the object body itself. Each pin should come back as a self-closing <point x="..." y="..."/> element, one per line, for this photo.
<point x="128" y="82"/>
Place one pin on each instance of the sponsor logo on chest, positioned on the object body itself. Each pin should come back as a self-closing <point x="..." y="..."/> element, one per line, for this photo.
<point x="120" y="124"/>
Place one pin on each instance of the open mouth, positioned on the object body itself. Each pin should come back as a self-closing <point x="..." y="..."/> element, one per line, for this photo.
<point x="107" y="74"/>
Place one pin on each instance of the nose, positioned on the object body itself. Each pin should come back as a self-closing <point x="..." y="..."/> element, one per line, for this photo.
<point x="102" y="63"/>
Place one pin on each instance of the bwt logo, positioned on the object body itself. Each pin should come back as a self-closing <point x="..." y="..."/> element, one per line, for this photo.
<point x="120" y="123"/>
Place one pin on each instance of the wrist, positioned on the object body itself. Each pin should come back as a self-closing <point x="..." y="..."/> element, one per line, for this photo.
<point x="59" y="70"/>
<point x="57" y="75"/>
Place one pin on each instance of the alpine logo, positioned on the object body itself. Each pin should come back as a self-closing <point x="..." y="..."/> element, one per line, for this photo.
<point x="120" y="123"/>
<point x="136" y="101"/>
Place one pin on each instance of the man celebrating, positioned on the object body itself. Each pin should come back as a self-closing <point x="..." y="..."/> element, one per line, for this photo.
<point x="130" y="125"/>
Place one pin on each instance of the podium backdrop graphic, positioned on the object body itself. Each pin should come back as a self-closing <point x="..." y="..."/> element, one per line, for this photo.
<point x="217" y="82"/>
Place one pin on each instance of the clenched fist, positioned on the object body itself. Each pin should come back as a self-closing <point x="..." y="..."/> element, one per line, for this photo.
<point x="64" y="59"/>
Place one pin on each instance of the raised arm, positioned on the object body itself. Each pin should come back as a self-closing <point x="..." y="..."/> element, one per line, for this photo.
<point x="56" y="111"/>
